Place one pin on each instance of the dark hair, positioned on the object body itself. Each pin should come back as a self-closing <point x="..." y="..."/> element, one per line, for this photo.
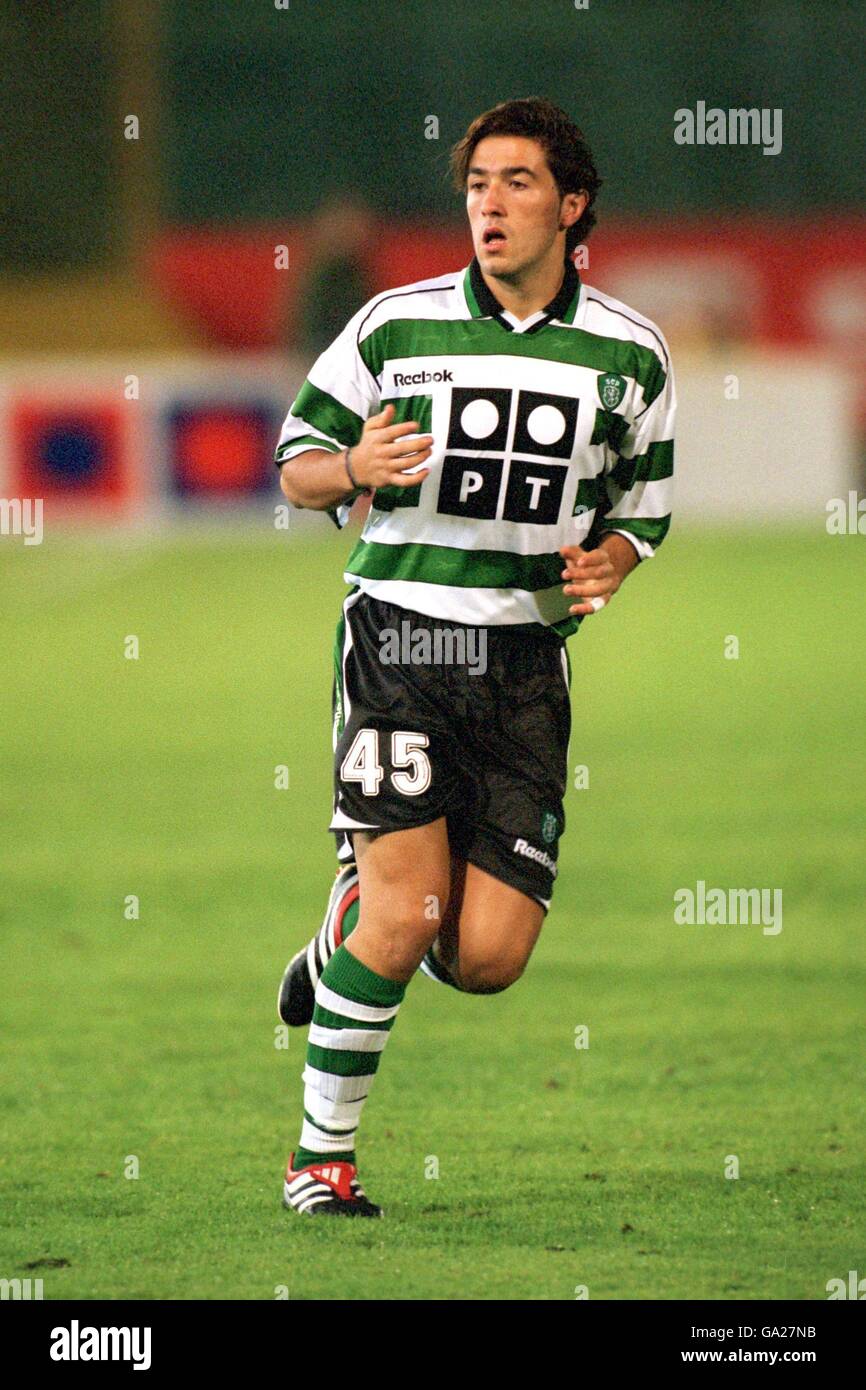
<point x="568" y="154"/>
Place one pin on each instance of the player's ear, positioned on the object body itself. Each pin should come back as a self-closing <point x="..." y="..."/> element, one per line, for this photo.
<point x="573" y="207"/>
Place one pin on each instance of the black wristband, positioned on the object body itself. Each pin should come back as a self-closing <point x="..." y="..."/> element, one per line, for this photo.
<point x="366" y="491"/>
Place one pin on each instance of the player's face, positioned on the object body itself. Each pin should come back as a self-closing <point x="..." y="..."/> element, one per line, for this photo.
<point x="514" y="205"/>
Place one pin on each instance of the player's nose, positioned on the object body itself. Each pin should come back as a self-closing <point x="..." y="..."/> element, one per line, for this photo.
<point x="492" y="201"/>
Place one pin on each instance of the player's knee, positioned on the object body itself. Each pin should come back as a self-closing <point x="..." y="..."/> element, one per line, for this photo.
<point x="402" y="926"/>
<point x="491" y="976"/>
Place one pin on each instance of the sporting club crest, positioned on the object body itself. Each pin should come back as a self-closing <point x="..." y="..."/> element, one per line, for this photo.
<point x="611" y="389"/>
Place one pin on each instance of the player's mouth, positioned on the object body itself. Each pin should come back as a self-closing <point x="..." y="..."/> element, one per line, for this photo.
<point x="492" y="237"/>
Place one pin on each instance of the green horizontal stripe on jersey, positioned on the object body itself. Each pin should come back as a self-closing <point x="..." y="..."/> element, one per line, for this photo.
<point x="406" y="338"/>
<point x="609" y="428"/>
<point x="649" y="528"/>
<point x="590" y="493"/>
<point x="465" y="569"/>
<point x="418" y="408"/>
<point x="326" y="413"/>
<point x="651" y="467"/>
<point x="385" y="499"/>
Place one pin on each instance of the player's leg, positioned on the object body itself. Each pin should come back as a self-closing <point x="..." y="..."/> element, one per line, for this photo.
<point x="405" y="877"/>
<point x="301" y="975"/>
<point x="505" y="844"/>
<point x="296" y="998"/>
<point x="486" y="942"/>
<point x="394" y="780"/>
<point x="356" y="1004"/>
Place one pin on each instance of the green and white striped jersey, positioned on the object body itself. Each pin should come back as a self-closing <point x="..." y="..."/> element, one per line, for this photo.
<point x="548" y="431"/>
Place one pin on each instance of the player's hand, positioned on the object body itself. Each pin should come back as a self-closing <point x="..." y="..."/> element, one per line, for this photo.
<point x="384" y="452"/>
<point x="592" y="577"/>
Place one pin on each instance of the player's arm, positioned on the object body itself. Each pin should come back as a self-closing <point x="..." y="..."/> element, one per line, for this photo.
<point x="639" y="483"/>
<point x="319" y="478"/>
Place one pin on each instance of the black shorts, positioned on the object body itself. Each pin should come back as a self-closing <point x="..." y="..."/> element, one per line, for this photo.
<point x="435" y="718"/>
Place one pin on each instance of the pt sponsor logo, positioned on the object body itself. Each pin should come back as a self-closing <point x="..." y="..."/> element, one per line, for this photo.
<point x="487" y="471"/>
<point x="539" y="855"/>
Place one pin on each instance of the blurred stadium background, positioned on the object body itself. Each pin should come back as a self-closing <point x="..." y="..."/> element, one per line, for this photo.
<point x="161" y="299"/>
<point x="152" y="251"/>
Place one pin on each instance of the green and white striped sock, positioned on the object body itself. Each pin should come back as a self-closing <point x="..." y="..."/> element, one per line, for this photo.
<point x="353" y="1015"/>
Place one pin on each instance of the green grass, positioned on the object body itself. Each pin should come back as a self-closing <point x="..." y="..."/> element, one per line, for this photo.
<point x="557" y="1167"/>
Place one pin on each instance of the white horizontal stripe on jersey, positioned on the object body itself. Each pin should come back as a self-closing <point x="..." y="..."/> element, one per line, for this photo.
<point x="439" y="298"/>
<point x="500" y="370"/>
<point x="649" y="500"/>
<point x="600" y="313"/>
<point x="410" y="526"/>
<point x="302" y="427"/>
<point x="482" y="607"/>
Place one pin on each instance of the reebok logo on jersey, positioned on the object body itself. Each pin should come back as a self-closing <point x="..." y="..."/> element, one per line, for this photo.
<point x="539" y="855"/>
<point x="421" y="378"/>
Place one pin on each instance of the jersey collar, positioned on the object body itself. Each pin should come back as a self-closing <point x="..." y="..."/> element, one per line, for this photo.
<point x="482" y="302"/>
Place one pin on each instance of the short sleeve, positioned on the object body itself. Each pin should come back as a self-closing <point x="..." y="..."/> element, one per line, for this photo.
<point x="639" y="473"/>
<point x="338" y="396"/>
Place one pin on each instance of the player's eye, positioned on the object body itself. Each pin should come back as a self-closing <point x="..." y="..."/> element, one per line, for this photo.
<point x="517" y="183"/>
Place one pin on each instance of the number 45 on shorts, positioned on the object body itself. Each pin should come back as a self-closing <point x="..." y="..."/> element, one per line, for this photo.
<point x="412" y="773"/>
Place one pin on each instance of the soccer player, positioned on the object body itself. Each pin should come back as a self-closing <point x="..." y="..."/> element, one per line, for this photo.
<point x="515" y="429"/>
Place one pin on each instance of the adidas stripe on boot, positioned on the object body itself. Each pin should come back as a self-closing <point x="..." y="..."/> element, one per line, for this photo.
<point x="329" y="1188"/>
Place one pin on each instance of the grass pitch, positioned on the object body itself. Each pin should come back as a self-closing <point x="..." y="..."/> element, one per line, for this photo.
<point x="148" y="1044"/>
